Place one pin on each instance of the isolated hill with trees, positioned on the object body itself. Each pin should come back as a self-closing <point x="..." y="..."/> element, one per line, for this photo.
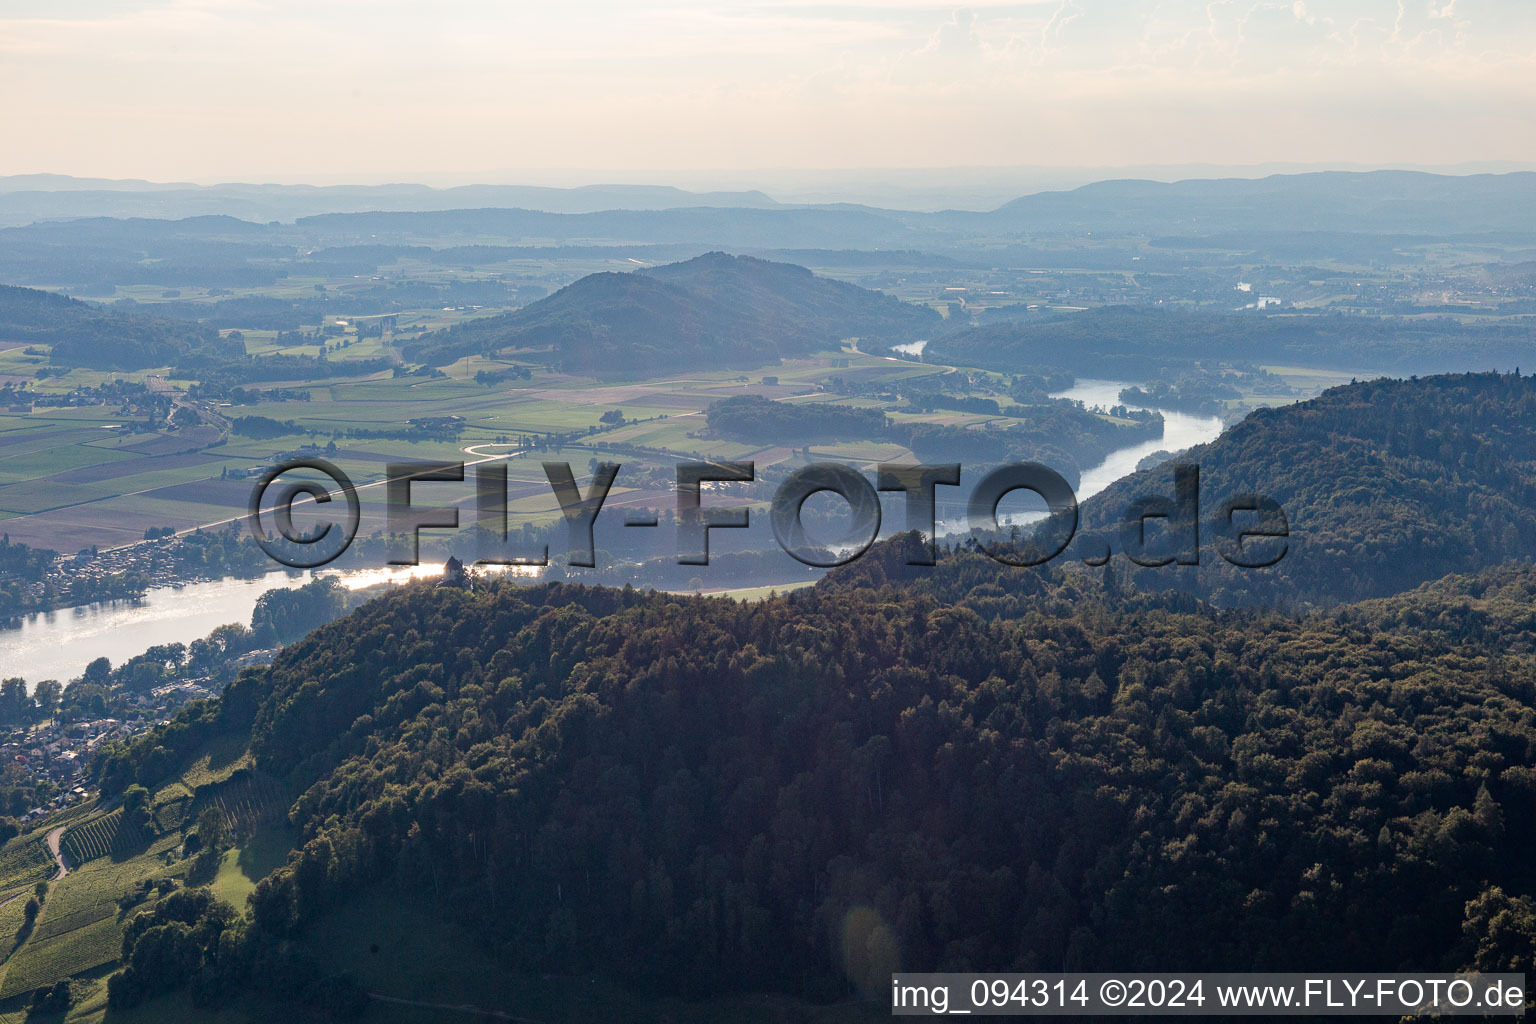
<point x="710" y="312"/>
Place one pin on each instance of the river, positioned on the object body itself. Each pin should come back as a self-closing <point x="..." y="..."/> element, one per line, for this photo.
<point x="59" y="644"/>
<point x="1180" y="430"/>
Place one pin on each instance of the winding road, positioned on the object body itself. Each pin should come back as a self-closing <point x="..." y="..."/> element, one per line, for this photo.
<point x="53" y="839"/>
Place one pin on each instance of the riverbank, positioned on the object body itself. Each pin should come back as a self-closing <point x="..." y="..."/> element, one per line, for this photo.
<point x="59" y="643"/>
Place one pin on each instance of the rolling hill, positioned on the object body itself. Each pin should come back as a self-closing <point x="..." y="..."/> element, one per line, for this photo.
<point x="1386" y="484"/>
<point x="85" y="335"/>
<point x="713" y="311"/>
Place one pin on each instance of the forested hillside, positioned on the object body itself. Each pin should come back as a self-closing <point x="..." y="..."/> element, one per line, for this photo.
<point x="1044" y="774"/>
<point x="1386" y="484"/>
<point x="85" y="335"/>
<point x="1141" y="342"/>
<point x="714" y="310"/>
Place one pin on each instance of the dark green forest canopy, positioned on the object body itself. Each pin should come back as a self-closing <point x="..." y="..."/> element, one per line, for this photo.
<point x="1386" y="484"/>
<point x="715" y="310"/>
<point x="1029" y="771"/>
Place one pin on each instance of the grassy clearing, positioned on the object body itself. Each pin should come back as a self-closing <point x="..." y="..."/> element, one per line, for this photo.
<point x="245" y="865"/>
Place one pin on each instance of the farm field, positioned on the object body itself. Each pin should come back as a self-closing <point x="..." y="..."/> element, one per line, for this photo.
<point x="248" y="800"/>
<point x="118" y="869"/>
<point x="70" y="478"/>
<point x="23" y="861"/>
<point x="408" y="950"/>
<point x="104" y="836"/>
<point x="80" y="925"/>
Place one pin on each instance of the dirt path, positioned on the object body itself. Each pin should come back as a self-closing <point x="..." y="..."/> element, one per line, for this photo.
<point x="52" y="840"/>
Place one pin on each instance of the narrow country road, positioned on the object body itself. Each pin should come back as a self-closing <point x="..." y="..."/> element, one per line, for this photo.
<point x="52" y="840"/>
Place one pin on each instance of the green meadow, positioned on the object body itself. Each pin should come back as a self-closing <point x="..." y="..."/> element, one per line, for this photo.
<point x="71" y="477"/>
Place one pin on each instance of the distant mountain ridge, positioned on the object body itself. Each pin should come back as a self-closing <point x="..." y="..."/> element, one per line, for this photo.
<point x="714" y="310"/>
<point x="786" y="227"/>
<point x="1379" y="202"/>
<point x="1375" y="201"/>
<point x="28" y="198"/>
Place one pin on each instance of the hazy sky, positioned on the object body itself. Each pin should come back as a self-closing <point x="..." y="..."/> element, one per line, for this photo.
<point x="290" y="90"/>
